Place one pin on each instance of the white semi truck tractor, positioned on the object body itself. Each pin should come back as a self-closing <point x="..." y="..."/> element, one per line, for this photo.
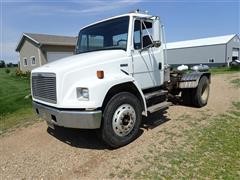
<point x="118" y="74"/>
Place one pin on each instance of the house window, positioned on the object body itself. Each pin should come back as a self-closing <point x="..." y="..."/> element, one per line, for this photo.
<point x="211" y="60"/>
<point x="25" y="61"/>
<point x="33" y="60"/>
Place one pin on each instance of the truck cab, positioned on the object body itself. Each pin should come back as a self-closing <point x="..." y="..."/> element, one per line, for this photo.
<point x="118" y="74"/>
<point x="135" y="35"/>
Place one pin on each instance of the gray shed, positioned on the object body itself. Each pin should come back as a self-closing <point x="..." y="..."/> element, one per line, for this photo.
<point x="213" y="51"/>
<point x="38" y="49"/>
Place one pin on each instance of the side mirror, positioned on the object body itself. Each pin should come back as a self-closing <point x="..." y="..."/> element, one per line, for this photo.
<point x="156" y="32"/>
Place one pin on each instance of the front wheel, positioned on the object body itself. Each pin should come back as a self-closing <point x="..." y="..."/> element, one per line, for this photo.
<point x="121" y="120"/>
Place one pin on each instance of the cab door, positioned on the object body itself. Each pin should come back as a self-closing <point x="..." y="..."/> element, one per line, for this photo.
<point x="146" y="61"/>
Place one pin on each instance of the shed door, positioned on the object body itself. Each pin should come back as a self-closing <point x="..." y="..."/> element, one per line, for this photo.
<point x="53" y="56"/>
<point x="235" y="54"/>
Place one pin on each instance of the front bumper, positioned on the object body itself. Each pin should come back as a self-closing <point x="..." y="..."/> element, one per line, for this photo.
<point x="69" y="118"/>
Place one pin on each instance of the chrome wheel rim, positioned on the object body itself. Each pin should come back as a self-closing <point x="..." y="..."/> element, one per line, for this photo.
<point x="124" y="120"/>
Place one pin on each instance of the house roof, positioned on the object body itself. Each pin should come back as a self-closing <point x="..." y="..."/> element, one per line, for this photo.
<point x="201" y="42"/>
<point x="45" y="39"/>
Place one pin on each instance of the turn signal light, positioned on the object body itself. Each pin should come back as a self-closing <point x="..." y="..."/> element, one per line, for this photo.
<point x="100" y="74"/>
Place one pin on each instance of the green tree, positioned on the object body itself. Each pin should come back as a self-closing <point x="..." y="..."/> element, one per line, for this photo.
<point x="2" y="63"/>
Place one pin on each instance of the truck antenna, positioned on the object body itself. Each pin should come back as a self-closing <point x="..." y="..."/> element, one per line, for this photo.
<point x="139" y="11"/>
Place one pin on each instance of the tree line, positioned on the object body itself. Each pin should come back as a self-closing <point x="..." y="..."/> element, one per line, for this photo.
<point x="3" y="64"/>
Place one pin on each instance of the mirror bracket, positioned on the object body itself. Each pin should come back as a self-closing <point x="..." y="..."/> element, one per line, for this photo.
<point x="157" y="44"/>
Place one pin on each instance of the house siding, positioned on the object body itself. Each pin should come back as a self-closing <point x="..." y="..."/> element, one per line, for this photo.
<point x="28" y="50"/>
<point x="54" y="48"/>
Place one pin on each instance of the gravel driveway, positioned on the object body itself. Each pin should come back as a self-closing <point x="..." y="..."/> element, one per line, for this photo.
<point x="39" y="152"/>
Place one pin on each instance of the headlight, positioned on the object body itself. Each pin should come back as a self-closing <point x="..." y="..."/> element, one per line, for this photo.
<point x="82" y="93"/>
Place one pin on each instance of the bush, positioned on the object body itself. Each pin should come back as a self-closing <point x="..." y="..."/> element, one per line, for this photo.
<point x="20" y="73"/>
<point x="7" y="71"/>
<point x="27" y="74"/>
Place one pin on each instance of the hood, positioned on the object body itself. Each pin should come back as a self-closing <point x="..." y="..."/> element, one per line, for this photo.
<point x="81" y="60"/>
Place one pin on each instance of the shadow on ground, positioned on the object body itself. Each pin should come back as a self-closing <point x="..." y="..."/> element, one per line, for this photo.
<point x="154" y="120"/>
<point x="89" y="139"/>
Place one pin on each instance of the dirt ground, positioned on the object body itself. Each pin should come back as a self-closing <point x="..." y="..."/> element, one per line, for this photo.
<point x="39" y="152"/>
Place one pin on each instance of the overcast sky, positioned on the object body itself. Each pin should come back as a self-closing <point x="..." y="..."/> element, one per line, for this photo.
<point x="183" y="20"/>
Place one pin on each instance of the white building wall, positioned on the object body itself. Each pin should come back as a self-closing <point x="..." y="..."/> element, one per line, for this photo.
<point x="233" y="43"/>
<point x="197" y="55"/>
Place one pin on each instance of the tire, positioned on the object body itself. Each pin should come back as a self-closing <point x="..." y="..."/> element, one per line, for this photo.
<point x="121" y="120"/>
<point x="201" y="93"/>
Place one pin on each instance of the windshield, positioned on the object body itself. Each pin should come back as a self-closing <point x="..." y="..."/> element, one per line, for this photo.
<point x="111" y="34"/>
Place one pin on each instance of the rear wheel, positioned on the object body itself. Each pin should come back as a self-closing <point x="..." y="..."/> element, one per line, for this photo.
<point x="201" y="93"/>
<point x="199" y="96"/>
<point x="121" y="120"/>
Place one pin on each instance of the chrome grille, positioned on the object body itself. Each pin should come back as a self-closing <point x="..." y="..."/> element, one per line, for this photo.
<point x="44" y="87"/>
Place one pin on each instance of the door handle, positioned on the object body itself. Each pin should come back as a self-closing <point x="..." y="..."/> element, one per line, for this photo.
<point x="159" y="66"/>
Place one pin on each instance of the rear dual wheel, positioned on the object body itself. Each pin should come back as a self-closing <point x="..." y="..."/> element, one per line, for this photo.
<point x="121" y="120"/>
<point x="199" y="96"/>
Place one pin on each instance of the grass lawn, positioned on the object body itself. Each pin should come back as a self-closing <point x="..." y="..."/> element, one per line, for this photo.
<point x="14" y="108"/>
<point x="209" y="153"/>
<point x="224" y="70"/>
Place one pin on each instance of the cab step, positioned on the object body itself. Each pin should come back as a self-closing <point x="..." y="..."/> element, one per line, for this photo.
<point x="154" y="94"/>
<point x="159" y="106"/>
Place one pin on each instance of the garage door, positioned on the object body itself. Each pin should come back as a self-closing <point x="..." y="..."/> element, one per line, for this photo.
<point x="53" y="56"/>
<point x="235" y="52"/>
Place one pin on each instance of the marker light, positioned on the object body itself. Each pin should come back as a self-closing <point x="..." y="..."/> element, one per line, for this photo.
<point x="100" y="74"/>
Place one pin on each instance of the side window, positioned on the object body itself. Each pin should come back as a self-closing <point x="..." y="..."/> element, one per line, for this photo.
<point x="211" y="60"/>
<point x="25" y="61"/>
<point x="137" y="35"/>
<point x="33" y="60"/>
<point x="147" y="33"/>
